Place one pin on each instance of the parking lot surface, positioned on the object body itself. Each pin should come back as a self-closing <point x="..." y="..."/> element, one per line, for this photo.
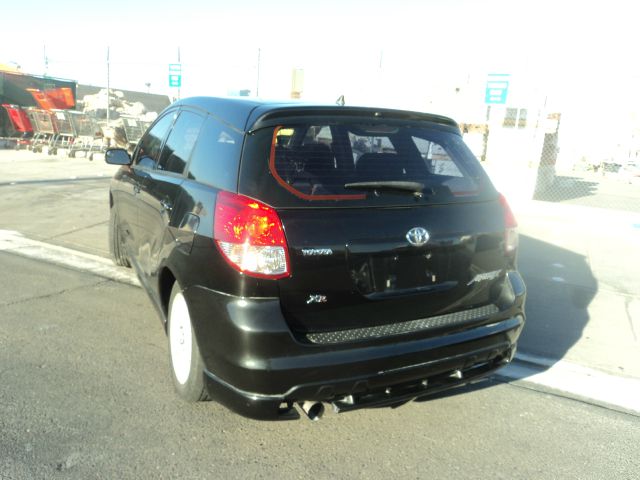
<point x="86" y="392"/>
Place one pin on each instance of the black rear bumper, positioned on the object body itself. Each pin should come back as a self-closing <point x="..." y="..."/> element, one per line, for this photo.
<point x="256" y="367"/>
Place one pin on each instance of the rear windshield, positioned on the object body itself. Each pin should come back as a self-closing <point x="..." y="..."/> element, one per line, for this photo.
<point x="353" y="163"/>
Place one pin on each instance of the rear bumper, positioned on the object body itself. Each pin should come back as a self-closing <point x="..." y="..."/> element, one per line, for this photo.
<point x="254" y="364"/>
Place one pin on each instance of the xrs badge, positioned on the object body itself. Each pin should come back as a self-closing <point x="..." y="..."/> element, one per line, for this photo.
<point x="316" y="299"/>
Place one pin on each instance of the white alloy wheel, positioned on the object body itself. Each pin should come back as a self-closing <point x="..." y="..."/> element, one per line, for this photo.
<point x="180" y="338"/>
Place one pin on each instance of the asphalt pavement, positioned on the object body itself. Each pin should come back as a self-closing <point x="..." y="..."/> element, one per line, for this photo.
<point x="86" y="393"/>
<point x="84" y="369"/>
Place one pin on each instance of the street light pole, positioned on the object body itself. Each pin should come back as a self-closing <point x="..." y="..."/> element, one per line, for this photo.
<point x="180" y="72"/>
<point x="46" y="60"/>
<point x="108" y="94"/>
<point x="258" y="76"/>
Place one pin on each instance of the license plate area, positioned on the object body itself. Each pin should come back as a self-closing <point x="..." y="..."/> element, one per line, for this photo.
<point x="398" y="272"/>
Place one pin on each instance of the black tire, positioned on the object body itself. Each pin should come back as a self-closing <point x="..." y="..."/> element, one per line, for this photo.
<point x="187" y="367"/>
<point x="118" y="254"/>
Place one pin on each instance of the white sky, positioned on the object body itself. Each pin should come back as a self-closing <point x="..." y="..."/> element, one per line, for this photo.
<point x="582" y="55"/>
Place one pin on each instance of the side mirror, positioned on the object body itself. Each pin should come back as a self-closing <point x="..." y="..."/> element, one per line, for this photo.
<point x="117" y="156"/>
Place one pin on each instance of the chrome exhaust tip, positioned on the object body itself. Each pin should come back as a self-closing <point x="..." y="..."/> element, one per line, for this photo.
<point x="313" y="410"/>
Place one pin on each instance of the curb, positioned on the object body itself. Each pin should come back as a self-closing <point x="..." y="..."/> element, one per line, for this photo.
<point x="574" y="381"/>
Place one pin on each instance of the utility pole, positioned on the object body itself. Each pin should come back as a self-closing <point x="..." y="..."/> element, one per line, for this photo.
<point x="258" y="76"/>
<point x="181" y="72"/>
<point x="108" y="86"/>
<point x="46" y="60"/>
<point x="485" y="136"/>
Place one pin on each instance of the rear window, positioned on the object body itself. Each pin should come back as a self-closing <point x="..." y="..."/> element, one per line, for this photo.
<point x="354" y="163"/>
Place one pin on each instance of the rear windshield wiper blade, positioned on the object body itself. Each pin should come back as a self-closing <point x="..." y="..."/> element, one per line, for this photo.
<point x="412" y="187"/>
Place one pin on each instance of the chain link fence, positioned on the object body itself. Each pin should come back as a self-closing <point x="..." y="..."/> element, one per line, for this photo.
<point x="537" y="155"/>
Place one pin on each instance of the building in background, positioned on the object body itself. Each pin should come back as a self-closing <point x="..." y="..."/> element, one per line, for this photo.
<point x="25" y="90"/>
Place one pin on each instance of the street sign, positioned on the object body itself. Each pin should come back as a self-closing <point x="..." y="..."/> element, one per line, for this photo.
<point x="175" y="80"/>
<point x="497" y="89"/>
<point x="175" y="75"/>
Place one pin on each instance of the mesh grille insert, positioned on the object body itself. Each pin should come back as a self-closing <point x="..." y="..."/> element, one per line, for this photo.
<point x="439" y="321"/>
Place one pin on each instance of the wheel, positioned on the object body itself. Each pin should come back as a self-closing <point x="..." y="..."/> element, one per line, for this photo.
<point x="187" y="367"/>
<point x="118" y="254"/>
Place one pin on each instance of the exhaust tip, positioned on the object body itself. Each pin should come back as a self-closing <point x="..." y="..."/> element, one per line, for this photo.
<point x="313" y="410"/>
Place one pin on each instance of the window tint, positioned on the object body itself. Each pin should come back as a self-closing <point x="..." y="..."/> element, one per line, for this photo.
<point x="179" y="145"/>
<point x="317" y="134"/>
<point x="148" y="151"/>
<point x="316" y="162"/>
<point x="216" y="156"/>
<point x="369" y="144"/>
<point x="436" y="158"/>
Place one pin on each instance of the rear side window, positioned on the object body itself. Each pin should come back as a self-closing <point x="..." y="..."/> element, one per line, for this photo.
<point x="180" y="143"/>
<point x="373" y="164"/>
<point x="148" y="150"/>
<point x="216" y="155"/>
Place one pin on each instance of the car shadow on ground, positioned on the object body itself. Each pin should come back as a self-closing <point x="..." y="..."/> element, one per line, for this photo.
<point x="560" y="287"/>
<point x="567" y="188"/>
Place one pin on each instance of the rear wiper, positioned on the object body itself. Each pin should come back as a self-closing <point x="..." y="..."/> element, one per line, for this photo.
<point x="411" y="187"/>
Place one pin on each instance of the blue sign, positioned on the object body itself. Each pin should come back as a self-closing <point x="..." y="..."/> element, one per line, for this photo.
<point x="175" y="75"/>
<point x="175" y="80"/>
<point x="497" y="89"/>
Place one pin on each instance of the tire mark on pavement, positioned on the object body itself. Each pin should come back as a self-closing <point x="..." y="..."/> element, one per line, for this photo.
<point x="74" y="230"/>
<point x="54" y="294"/>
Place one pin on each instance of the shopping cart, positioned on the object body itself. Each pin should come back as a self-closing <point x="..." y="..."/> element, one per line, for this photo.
<point x="65" y="132"/>
<point x="89" y="138"/>
<point x="15" y="127"/>
<point x="43" y="128"/>
<point x="133" y="128"/>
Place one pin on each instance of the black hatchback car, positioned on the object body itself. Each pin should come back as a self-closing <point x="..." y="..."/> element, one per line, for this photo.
<point x="309" y="255"/>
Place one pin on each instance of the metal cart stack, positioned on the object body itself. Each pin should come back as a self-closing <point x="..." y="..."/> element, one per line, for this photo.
<point x="65" y="132"/>
<point x="89" y="137"/>
<point x="15" y="128"/>
<point x="133" y="128"/>
<point x="43" y="128"/>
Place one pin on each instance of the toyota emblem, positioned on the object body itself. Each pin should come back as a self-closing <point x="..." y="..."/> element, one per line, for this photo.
<point x="417" y="236"/>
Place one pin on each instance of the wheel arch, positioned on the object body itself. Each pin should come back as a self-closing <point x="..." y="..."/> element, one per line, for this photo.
<point x="166" y="279"/>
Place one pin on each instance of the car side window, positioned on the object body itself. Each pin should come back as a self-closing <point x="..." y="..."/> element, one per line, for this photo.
<point x="216" y="156"/>
<point x="148" y="151"/>
<point x="179" y="145"/>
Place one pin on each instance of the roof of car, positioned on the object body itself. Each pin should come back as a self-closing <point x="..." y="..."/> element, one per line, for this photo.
<point x="246" y="113"/>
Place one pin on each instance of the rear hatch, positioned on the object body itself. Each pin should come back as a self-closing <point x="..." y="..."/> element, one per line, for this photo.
<point x="385" y="221"/>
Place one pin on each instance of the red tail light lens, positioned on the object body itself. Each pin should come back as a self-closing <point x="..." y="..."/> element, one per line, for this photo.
<point x="250" y="236"/>
<point x="510" y="227"/>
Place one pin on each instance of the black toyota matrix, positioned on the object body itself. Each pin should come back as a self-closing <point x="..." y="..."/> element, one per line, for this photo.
<point x="303" y="255"/>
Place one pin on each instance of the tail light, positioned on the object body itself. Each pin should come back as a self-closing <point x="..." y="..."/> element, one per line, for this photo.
<point x="250" y="236"/>
<point x="510" y="228"/>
